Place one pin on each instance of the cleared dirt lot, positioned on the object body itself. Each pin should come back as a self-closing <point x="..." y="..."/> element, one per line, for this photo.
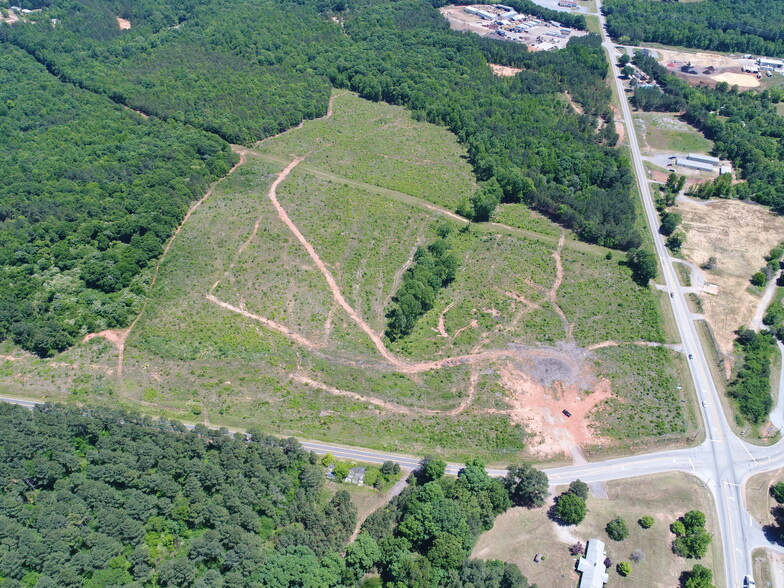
<point x="504" y="71"/>
<point x="708" y="68"/>
<point x="739" y="235"/>
<point x="537" y="34"/>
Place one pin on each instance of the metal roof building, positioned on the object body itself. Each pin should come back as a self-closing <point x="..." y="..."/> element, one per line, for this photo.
<point x="480" y="13"/>
<point x="703" y="158"/>
<point x="592" y="565"/>
<point x="691" y="164"/>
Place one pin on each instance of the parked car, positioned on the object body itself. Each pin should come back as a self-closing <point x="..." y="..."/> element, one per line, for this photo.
<point x="566" y="412"/>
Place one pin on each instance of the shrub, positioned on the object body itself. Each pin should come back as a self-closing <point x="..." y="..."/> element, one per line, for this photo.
<point x="579" y="488"/>
<point x="340" y="471"/>
<point x="777" y="492"/>
<point x="637" y="556"/>
<point x="570" y="509"/>
<point x="617" y="530"/>
<point x="577" y="549"/>
<point x="624" y="568"/>
<point x="646" y="522"/>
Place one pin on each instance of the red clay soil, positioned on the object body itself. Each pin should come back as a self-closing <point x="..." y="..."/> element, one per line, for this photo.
<point x="539" y="409"/>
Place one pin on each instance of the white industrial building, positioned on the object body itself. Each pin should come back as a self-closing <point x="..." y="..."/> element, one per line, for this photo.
<point x="592" y="565"/>
<point x="691" y="164"/>
<point x="703" y="158"/>
<point x="767" y="62"/>
<point x="480" y="13"/>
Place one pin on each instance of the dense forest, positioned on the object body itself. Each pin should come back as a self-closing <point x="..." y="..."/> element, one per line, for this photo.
<point x="750" y="26"/>
<point x="90" y="192"/>
<point x="95" y="497"/>
<point x="95" y="193"/>
<point x="744" y="127"/>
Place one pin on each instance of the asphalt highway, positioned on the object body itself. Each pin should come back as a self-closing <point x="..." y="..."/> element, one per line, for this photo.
<point x="723" y="461"/>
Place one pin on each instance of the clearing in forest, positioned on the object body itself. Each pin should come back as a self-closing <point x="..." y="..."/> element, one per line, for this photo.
<point x="269" y="308"/>
<point x="738" y="235"/>
<point x="668" y="134"/>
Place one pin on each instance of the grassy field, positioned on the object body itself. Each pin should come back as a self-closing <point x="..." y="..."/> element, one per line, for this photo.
<point x="382" y="145"/>
<point x="242" y="330"/>
<point x="648" y="403"/>
<point x="667" y="132"/>
<point x="511" y="537"/>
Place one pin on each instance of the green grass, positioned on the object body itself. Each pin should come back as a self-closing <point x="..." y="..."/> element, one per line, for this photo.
<point x="647" y="403"/>
<point x="364" y="206"/>
<point x="624" y="312"/>
<point x="365" y="240"/>
<point x="480" y="299"/>
<point x="666" y="132"/>
<point x="520" y="216"/>
<point x="382" y="145"/>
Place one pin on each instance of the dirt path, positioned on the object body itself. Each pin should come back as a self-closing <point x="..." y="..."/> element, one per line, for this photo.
<point x="333" y="285"/>
<point x="767" y="297"/>
<point x="552" y="295"/>
<point x="118" y="337"/>
<point x="283" y="330"/>
<point x="392" y="406"/>
<point x="391" y="493"/>
<point x="489" y="227"/>
<point x="441" y="321"/>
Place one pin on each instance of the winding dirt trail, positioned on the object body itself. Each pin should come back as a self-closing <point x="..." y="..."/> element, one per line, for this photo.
<point x="333" y="285"/>
<point x="118" y="337"/>
<point x="282" y="329"/>
<point x="392" y="406"/>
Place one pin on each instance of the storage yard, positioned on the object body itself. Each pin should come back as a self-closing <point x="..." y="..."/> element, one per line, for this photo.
<point x="747" y="71"/>
<point x="503" y="22"/>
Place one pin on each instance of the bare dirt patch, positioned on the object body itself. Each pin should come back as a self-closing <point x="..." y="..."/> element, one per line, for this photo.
<point x="540" y="388"/>
<point x="11" y="18"/>
<point x="696" y="59"/>
<point x="739" y="235"/>
<point x="504" y="71"/>
<point x="741" y="79"/>
<point x="123" y="23"/>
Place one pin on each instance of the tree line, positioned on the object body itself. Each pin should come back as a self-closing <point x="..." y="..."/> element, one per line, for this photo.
<point x="744" y="126"/>
<point x="83" y="224"/>
<point x="433" y="268"/>
<point x="90" y="193"/>
<point x="751" y="385"/>
<point x="98" y="497"/>
<point x="751" y="26"/>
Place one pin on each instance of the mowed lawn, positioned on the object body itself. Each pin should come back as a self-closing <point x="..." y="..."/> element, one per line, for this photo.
<point x="519" y="534"/>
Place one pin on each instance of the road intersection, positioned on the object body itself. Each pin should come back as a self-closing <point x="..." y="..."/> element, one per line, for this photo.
<point x="722" y="461"/>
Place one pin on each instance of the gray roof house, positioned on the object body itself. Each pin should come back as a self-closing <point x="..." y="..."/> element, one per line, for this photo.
<point x="592" y="565"/>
